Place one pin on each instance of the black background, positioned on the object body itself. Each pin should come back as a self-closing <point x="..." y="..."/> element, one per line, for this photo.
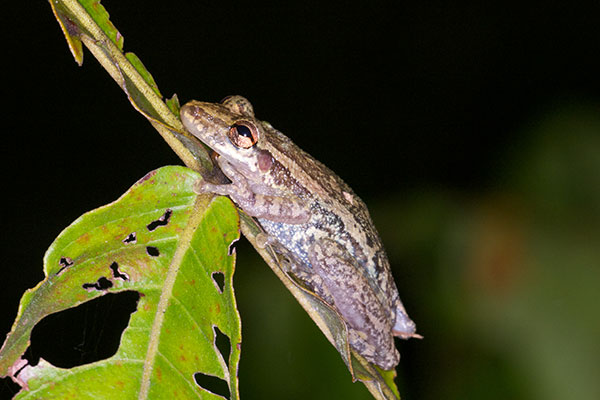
<point x="391" y="95"/>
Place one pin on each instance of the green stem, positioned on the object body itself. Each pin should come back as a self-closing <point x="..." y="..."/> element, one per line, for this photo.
<point x="70" y="14"/>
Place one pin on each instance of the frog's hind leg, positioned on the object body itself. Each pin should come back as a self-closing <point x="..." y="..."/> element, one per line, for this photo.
<point x="343" y="284"/>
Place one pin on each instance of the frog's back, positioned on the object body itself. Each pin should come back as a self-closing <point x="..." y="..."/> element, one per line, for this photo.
<point x="337" y="213"/>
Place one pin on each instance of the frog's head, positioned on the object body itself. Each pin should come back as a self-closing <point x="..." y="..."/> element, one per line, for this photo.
<point x="232" y="131"/>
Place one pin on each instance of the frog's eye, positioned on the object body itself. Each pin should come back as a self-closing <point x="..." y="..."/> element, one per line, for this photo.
<point x="243" y="135"/>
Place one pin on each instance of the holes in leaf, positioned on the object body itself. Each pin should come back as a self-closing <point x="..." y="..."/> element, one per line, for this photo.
<point x="162" y="221"/>
<point x="231" y="249"/>
<point x="223" y="344"/>
<point x="212" y="384"/>
<point x="131" y="238"/>
<point x="8" y="388"/>
<point x="114" y="267"/>
<point x="219" y="280"/>
<point x="101" y="284"/>
<point x="84" y="334"/>
<point x="152" y="251"/>
<point x="64" y="262"/>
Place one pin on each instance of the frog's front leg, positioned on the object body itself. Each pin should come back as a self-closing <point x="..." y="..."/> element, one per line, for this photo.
<point x="288" y="209"/>
<point x="343" y="283"/>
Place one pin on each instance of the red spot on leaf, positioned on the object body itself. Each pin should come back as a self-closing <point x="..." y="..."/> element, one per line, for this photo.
<point x="83" y="239"/>
<point x="147" y="176"/>
<point x="158" y="374"/>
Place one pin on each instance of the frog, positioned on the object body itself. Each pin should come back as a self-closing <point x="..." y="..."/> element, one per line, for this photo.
<point x="311" y="217"/>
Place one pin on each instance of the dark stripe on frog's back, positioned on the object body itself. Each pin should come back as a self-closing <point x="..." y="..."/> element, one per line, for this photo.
<point x="283" y="179"/>
<point x="331" y="183"/>
<point x="375" y="268"/>
<point x="300" y="162"/>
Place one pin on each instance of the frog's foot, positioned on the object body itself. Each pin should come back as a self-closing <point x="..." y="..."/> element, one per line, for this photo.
<point x="200" y="187"/>
<point x="263" y="240"/>
<point x="404" y="327"/>
<point x="238" y="193"/>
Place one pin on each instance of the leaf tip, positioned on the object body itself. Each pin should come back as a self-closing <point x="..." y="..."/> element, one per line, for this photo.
<point x="71" y="32"/>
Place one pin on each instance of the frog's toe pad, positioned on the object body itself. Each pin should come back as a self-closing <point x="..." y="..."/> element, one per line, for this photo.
<point x="199" y="186"/>
<point x="202" y="187"/>
<point x="404" y="327"/>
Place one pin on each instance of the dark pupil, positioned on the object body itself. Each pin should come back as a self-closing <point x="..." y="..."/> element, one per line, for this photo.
<point x="243" y="130"/>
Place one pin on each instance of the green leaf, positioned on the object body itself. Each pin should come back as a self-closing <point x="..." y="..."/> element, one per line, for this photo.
<point x="139" y="66"/>
<point x="168" y="244"/>
<point x="101" y="17"/>
<point x="173" y="104"/>
<point x="89" y="24"/>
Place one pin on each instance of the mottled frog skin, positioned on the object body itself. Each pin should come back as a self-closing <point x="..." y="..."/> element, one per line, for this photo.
<point x="311" y="217"/>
